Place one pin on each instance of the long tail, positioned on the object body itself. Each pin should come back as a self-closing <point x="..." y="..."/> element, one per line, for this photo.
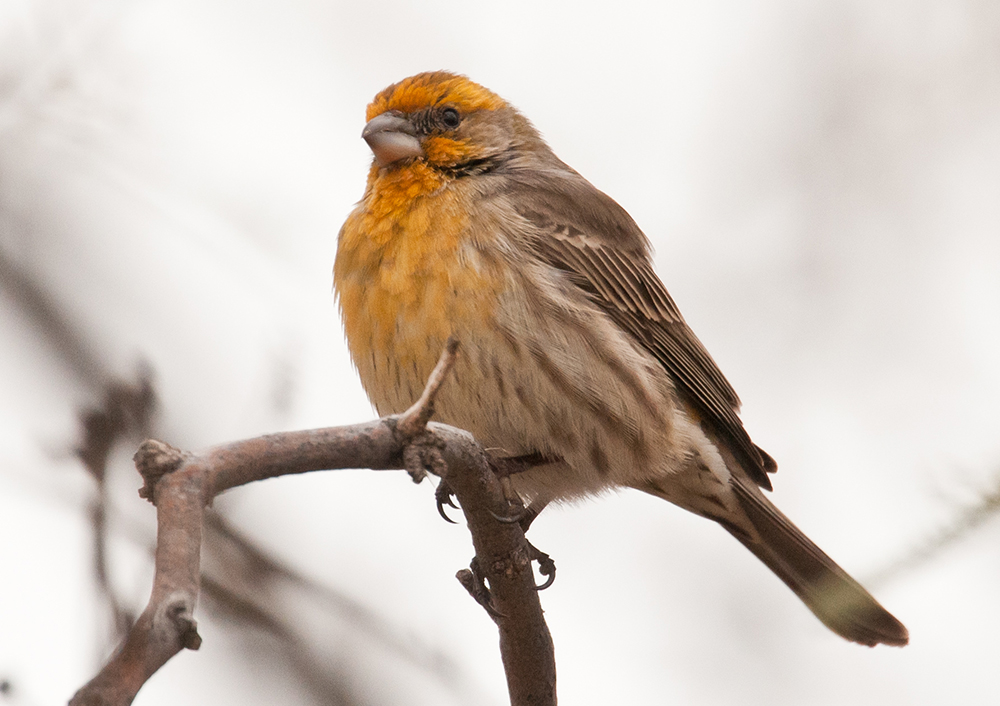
<point x="829" y="592"/>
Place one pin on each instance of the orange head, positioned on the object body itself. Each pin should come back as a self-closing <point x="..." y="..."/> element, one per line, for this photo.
<point x="445" y="121"/>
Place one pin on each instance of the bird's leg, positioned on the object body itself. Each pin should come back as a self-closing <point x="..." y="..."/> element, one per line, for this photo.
<point x="504" y="469"/>
<point x="522" y="515"/>
<point x="546" y="566"/>
<point x="525" y="515"/>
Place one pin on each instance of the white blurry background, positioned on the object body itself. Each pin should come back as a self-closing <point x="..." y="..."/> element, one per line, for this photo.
<point x="821" y="182"/>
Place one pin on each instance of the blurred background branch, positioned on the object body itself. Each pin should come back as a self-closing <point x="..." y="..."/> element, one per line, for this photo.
<point x="965" y="521"/>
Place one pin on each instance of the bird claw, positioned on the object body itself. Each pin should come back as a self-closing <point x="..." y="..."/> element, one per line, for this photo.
<point x="524" y="516"/>
<point x="443" y="495"/>
<point x="512" y="519"/>
<point x="546" y="566"/>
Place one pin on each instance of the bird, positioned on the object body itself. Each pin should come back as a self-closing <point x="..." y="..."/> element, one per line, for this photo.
<point x="574" y="360"/>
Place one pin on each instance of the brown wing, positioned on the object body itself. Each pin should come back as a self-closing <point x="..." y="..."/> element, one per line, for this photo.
<point x="585" y="233"/>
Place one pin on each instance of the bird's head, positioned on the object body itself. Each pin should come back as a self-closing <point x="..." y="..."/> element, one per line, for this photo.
<point x="446" y="121"/>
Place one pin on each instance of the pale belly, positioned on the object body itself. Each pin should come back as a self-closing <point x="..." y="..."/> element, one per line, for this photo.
<point x="524" y="385"/>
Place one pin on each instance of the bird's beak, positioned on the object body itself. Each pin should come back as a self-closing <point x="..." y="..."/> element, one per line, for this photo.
<point x="391" y="138"/>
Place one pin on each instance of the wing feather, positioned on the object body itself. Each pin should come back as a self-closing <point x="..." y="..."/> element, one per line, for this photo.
<point x="582" y="231"/>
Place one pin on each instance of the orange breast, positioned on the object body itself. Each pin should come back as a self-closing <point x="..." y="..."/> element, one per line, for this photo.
<point x="409" y="273"/>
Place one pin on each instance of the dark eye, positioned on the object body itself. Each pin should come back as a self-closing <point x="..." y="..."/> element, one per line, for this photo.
<point x="450" y="118"/>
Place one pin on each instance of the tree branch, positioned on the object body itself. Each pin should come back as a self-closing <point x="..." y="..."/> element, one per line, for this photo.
<point x="182" y="484"/>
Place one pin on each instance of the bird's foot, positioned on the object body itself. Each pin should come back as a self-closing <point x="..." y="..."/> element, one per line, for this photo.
<point x="422" y="455"/>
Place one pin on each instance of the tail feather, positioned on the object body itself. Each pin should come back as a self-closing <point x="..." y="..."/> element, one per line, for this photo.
<point x="829" y="592"/>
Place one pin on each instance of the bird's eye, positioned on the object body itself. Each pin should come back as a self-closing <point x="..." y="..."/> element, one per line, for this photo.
<point x="450" y="118"/>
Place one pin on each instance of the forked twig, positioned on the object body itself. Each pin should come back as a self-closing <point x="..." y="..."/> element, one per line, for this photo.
<point x="182" y="484"/>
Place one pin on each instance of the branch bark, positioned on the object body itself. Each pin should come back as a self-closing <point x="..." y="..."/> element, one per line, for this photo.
<point x="182" y="484"/>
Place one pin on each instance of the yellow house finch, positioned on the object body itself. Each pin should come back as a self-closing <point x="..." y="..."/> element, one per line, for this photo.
<point x="573" y="354"/>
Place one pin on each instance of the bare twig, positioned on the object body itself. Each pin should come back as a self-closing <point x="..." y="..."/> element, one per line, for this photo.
<point x="182" y="484"/>
<point x="414" y="420"/>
